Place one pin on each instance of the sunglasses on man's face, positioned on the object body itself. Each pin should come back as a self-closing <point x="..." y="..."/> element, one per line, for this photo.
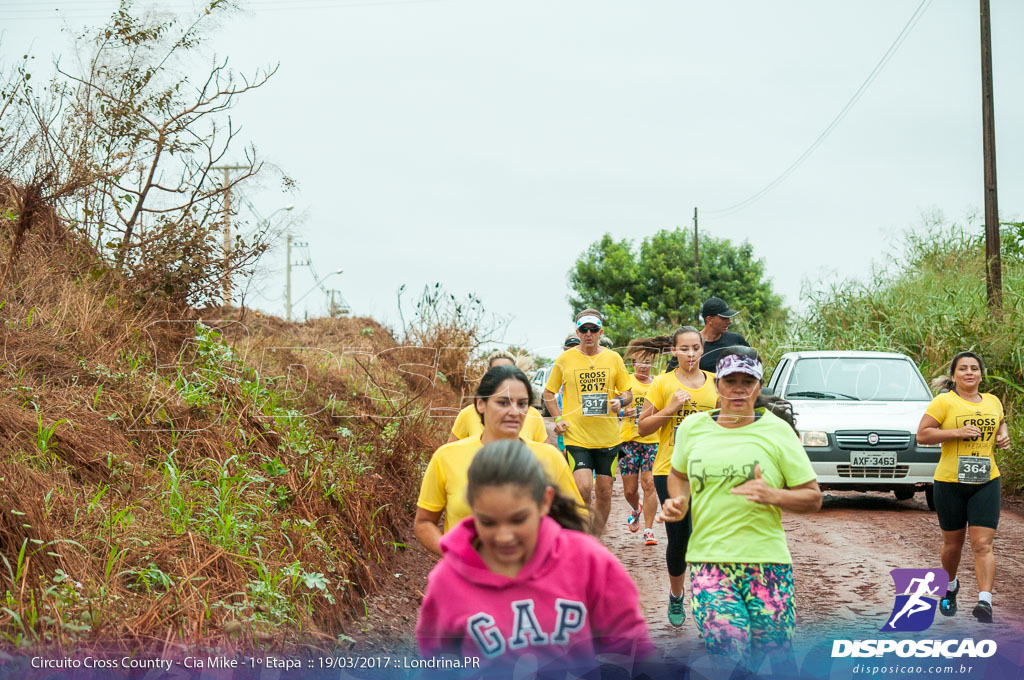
<point x="589" y="329"/>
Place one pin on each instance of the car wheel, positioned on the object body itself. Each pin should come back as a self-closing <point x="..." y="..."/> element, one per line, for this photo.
<point x="905" y="493"/>
<point x="929" y="496"/>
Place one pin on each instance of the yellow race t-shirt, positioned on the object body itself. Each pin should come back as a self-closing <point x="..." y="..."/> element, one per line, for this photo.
<point x="589" y="383"/>
<point x="444" y="483"/>
<point x="467" y="424"/>
<point x="627" y="428"/>
<point x="952" y="412"/>
<point x="660" y="394"/>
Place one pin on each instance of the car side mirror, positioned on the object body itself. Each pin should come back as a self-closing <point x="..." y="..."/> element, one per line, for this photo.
<point x="767" y="391"/>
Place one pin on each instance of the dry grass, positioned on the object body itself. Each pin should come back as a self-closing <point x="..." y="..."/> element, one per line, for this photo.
<point x="237" y="484"/>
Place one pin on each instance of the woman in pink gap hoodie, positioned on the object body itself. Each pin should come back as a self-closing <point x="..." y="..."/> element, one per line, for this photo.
<point x="521" y="584"/>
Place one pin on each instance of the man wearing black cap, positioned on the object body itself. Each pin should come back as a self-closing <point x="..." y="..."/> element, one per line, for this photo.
<point x="717" y="319"/>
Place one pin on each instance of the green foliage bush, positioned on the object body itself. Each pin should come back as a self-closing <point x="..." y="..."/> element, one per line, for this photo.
<point x="929" y="303"/>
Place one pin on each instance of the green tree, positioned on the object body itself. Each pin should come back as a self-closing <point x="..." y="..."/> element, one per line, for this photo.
<point x="654" y="288"/>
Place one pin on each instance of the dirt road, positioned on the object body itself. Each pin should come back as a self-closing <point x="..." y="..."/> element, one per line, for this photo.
<point x="842" y="556"/>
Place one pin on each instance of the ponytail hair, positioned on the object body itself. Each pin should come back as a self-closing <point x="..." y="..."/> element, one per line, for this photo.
<point x="660" y="344"/>
<point x="524" y="362"/>
<point x="510" y="461"/>
<point x="778" y="406"/>
<point x="638" y="352"/>
<point x="945" y="383"/>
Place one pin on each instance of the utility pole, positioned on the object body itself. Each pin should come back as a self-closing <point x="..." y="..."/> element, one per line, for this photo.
<point x="226" y="169"/>
<point x="288" y="274"/>
<point x="696" y="263"/>
<point x="288" y="278"/>
<point x="993" y="264"/>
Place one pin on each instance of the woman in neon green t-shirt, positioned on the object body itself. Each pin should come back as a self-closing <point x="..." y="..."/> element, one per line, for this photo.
<point x="737" y="469"/>
<point x="970" y="426"/>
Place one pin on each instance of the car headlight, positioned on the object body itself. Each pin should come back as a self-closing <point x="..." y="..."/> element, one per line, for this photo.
<point x="814" y="438"/>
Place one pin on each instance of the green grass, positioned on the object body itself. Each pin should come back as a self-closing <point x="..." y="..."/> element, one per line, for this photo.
<point x="929" y="303"/>
<point x="44" y="433"/>
<point x="233" y="495"/>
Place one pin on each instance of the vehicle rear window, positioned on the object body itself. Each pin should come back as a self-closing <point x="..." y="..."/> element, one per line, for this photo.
<point x="857" y="378"/>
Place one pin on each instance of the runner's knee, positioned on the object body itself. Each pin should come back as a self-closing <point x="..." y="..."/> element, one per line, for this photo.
<point x="982" y="547"/>
<point x="585" y="483"/>
<point x="953" y="540"/>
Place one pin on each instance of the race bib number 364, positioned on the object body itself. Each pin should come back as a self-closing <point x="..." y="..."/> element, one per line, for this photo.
<point x="973" y="469"/>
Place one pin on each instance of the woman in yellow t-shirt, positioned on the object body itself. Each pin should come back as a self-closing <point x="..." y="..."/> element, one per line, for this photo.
<point x="502" y="398"/>
<point x="636" y="454"/>
<point x="970" y="426"/>
<point x="468" y="424"/>
<point x="673" y="397"/>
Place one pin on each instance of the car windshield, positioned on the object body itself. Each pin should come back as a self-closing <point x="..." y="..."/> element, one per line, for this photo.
<point x="856" y="378"/>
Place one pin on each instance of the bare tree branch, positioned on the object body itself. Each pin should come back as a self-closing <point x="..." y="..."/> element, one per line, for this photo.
<point x="126" y="143"/>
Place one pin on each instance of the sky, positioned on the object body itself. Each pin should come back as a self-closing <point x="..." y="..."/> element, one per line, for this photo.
<point x="485" y="144"/>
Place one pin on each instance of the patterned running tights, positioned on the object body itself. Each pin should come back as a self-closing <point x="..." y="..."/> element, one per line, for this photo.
<point x="744" y="611"/>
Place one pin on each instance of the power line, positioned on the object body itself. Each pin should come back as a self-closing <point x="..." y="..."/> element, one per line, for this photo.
<point x="903" y="34"/>
<point x="312" y="270"/>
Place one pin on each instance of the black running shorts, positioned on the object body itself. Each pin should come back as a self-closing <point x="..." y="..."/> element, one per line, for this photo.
<point x="958" y="504"/>
<point x="601" y="461"/>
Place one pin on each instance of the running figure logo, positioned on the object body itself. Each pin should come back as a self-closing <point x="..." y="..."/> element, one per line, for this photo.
<point x="918" y="592"/>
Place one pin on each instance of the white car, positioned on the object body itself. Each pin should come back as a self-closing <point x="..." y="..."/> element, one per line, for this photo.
<point x="858" y="413"/>
<point x="540" y="378"/>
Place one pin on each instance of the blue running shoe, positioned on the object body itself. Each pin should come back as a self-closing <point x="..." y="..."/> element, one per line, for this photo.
<point x="633" y="521"/>
<point x="947" y="605"/>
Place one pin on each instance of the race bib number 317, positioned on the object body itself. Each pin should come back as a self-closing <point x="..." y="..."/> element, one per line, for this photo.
<point x="594" y="404"/>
